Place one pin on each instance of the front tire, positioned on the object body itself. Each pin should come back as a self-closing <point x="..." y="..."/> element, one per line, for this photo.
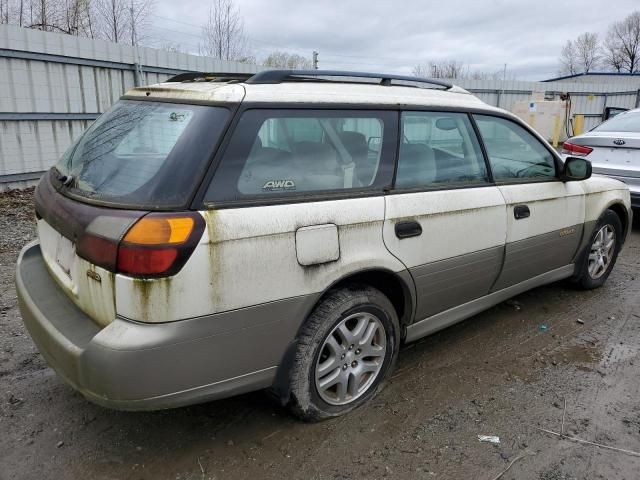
<point x="601" y="252"/>
<point x="344" y="352"/>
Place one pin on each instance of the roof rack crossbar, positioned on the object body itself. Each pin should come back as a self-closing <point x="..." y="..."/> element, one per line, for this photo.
<point x="280" y="76"/>
<point x="192" y="76"/>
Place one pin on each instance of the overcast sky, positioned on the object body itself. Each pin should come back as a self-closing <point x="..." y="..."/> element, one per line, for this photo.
<point x="394" y="36"/>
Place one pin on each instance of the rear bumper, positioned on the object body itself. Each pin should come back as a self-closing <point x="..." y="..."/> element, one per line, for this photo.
<point x="134" y="366"/>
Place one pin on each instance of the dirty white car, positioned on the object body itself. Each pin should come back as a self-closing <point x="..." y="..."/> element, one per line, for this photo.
<point x="213" y="235"/>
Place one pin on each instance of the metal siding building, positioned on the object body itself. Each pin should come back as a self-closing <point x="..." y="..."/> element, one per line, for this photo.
<point x="52" y="86"/>
<point x="588" y="99"/>
<point x="610" y="78"/>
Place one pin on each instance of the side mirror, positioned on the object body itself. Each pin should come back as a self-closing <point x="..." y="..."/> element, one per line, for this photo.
<point x="576" y="169"/>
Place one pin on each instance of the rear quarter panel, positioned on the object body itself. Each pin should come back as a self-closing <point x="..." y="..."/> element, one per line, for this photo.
<point x="247" y="256"/>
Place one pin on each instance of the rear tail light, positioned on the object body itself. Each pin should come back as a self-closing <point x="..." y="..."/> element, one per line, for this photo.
<point x="569" y="148"/>
<point x="159" y="244"/>
<point x="156" y="245"/>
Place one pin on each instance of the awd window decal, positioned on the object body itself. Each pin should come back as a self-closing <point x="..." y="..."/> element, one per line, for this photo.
<point x="278" y="185"/>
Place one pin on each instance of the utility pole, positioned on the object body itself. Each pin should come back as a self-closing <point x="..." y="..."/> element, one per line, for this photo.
<point x="315" y="60"/>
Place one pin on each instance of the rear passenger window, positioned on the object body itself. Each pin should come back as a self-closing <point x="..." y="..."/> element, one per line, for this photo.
<point x="514" y="153"/>
<point x="439" y="149"/>
<point x="274" y="152"/>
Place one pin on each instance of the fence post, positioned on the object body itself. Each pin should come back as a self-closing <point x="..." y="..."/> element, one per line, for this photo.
<point x="556" y="132"/>
<point x="578" y="124"/>
<point x="137" y="75"/>
<point x="638" y="98"/>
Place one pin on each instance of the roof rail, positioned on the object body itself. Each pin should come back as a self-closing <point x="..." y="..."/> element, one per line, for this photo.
<point x="209" y="77"/>
<point x="280" y="76"/>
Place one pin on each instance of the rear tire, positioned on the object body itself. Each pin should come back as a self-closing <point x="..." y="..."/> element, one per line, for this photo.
<point x="601" y="252"/>
<point x="344" y="352"/>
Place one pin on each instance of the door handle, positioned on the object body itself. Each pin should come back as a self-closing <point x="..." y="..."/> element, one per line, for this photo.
<point x="521" y="211"/>
<point x="408" y="229"/>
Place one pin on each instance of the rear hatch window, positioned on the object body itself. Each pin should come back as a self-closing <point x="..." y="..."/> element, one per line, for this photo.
<point x="143" y="154"/>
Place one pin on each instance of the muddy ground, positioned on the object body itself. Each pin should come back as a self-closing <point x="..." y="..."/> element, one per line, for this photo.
<point x="505" y="372"/>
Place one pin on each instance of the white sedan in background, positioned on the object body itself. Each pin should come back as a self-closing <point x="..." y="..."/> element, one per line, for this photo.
<point x="613" y="147"/>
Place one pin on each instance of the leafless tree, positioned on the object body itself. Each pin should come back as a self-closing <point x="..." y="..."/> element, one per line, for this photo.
<point x="4" y="11"/>
<point x="290" y="61"/>
<point x="139" y="11"/>
<point x="77" y="18"/>
<point x="420" y="71"/>
<point x="625" y="37"/>
<point x="19" y="12"/>
<point x="45" y="15"/>
<point x="457" y="70"/>
<point x="611" y="53"/>
<point x="123" y="21"/>
<point x="568" y="59"/>
<point x="587" y="51"/>
<point x="111" y="19"/>
<point x="442" y="69"/>
<point x="172" y="47"/>
<point x="223" y="34"/>
<point x="112" y="16"/>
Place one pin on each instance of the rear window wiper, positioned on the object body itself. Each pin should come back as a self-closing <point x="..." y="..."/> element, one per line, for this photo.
<point x="65" y="180"/>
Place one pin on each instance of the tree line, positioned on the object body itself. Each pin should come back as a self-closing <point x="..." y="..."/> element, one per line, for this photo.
<point x="223" y="36"/>
<point x="127" y="21"/>
<point x="458" y="70"/>
<point x="618" y="51"/>
<point x="120" y="21"/>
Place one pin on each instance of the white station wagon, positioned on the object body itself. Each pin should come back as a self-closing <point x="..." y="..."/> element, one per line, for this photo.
<point x="213" y="235"/>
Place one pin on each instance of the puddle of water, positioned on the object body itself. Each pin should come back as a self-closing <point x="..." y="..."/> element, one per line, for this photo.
<point x="578" y="354"/>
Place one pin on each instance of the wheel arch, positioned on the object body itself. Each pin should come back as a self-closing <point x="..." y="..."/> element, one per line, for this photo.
<point x="397" y="286"/>
<point x="621" y="211"/>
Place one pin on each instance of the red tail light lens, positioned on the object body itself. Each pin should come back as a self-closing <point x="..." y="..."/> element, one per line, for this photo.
<point x="569" y="148"/>
<point x="98" y="250"/>
<point x="159" y="244"/>
<point x="156" y="245"/>
<point x="145" y="261"/>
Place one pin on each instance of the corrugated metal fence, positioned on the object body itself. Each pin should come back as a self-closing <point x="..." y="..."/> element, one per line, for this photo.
<point x="52" y="86"/>
<point x="588" y="99"/>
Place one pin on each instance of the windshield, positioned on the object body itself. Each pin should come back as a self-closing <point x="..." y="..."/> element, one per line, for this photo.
<point x="623" y="122"/>
<point x="143" y="154"/>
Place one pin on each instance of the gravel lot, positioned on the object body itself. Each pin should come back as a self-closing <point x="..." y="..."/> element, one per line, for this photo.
<point x="505" y="372"/>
